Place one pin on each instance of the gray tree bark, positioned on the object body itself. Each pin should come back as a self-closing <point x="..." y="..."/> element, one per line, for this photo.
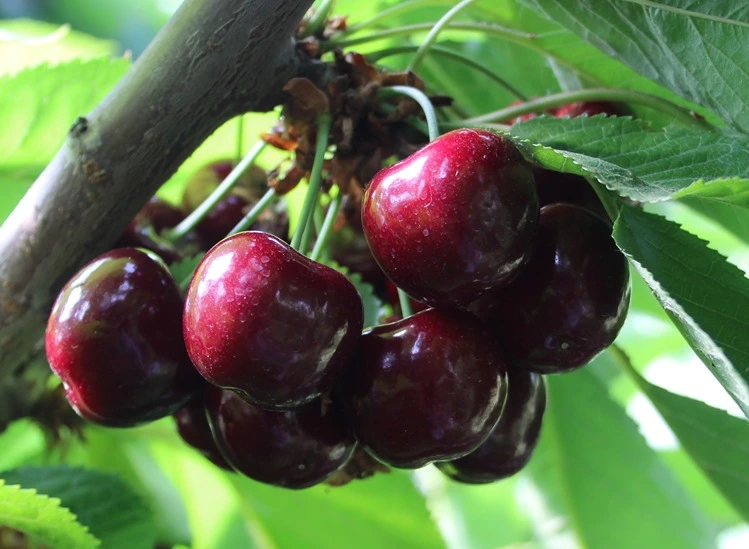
<point x="213" y="60"/>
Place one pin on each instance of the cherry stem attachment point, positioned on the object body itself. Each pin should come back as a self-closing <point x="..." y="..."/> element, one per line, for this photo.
<point x="327" y="224"/>
<point x="266" y="200"/>
<point x="426" y="105"/>
<point x="192" y="220"/>
<point x="298" y="242"/>
<point x="432" y="35"/>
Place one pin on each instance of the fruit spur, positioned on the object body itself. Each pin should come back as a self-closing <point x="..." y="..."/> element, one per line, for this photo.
<point x="297" y="358"/>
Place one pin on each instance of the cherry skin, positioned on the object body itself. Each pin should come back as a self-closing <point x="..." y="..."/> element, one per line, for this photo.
<point x="114" y="338"/>
<point x="143" y="230"/>
<point x="293" y="449"/>
<point x="192" y="426"/>
<point x="553" y="187"/>
<point x="427" y="388"/>
<point x="454" y="219"/>
<point x="511" y="443"/>
<point x="268" y="322"/>
<point x="570" y="301"/>
<point x="588" y="108"/>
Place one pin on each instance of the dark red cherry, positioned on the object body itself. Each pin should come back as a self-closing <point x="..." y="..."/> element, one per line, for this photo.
<point x="427" y="388"/>
<point x="114" y="337"/>
<point x="589" y="108"/>
<point x="553" y="187"/>
<point x="570" y="301"/>
<point x="268" y="322"/>
<point x="143" y="231"/>
<point x="231" y="210"/>
<point x="192" y="426"/>
<point x="511" y="443"/>
<point x="453" y="220"/>
<point x="294" y="449"/>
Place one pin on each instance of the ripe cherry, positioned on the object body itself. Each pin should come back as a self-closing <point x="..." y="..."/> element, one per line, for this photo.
<point x="427" y="388"/>
<point x="192" y="426"/>
<point x="589" y="108"/>
<point x="454" y="219"/>
<point x="268" y="322"/>
<point x="114" y="337"/>
<point x="294" y="449"/>
<point x="143" y="231"/>
<point x="553" y="187"/>
<point x="570" y="301"/>
<point x="511" y="443"/>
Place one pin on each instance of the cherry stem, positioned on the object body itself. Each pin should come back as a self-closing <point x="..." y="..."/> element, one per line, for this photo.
<point x="250" y="217"/>
<point x="492" y="29"/>
<point x="405" y="302"/>
<point x="197" y="215"/>
<point x="593" y="94"/>
<point x="315" y="182"/>
<point x="319" y="18"/>
<point x="327" y="225"/>
<point x="432" y="35"/>
<point x="426" y="105"/>
<point x="608" y="199"/>
<point x="377" y="56"/>
<point x="240" y="137"/>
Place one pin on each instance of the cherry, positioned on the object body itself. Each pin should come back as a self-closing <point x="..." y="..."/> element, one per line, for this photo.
<point x="553" y="187"/>
<point x="192" y="426"/>
<point x="589" y="108"/>
<point x="294" y="449"/>
<point x="427" y="388"/>
<point x="454" y="219"/>
<point x="268" y="322"/>
<point x="511" y="443"/>
<point x="394" y="299"/>
<point x="114" y="338"/>
<point x="570" y="301"/>
<point x="143" y="230"/>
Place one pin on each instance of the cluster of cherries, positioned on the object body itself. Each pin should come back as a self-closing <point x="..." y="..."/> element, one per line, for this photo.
<point x="264" y="364"/>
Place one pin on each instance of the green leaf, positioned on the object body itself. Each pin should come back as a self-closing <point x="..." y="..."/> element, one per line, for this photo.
<point x="635" y="161"/>
<point x="25" y="43"/>
<point x="37" y="107"/>
<point x="718" y="442"/>
<point x="705" y="296"/>
<point x="42" y="518"/>
<point x="614" y="488"/>
<point x="185" y="267"/>
<point x="691" y="48"/>
<point x="111" y="510"/>
<point x="726" y="201"/>
<point x="383" y="511"/>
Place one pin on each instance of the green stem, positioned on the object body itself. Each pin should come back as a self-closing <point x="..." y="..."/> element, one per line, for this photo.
<point x="192" y="220"/>
<point x="319" y="18"/>
<point x="432" y="36"/>
<point x="490" y="29"/>
<point x="608" y="199"/>
<point x="406" y="309"/>
<point x="377" y="56"/>
<point x="327" y="225"/>
<point x="426" y="105"/>
<point x="266" y="200"/>
<point x="315" y="180"/>
<point x="240" y="137"/>
<point x="593" y="94"/>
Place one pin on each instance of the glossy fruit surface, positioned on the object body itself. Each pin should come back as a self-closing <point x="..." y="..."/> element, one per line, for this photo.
<point x="269" y="322"/>
<point x="143" y="230"/>
<point x="294" y="449"/>
<point x="453" y="220"/>
<point x="192" y="426"/>
<point x="553" y="187"/>
<point x="511" y="443"/>
<point x="114" y="337"/>
<point x="571" y="300"/>
<point x="427" y="388"/>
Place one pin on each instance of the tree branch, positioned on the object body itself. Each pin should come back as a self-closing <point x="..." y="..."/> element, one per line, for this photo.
<point x="213" y="60"/>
